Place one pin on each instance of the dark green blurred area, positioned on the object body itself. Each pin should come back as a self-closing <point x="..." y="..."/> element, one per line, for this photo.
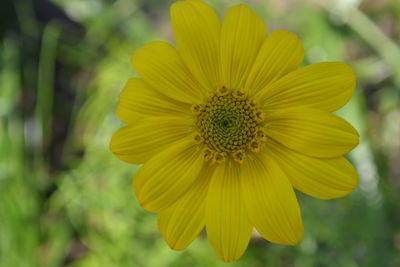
<point x="66" y="200"/>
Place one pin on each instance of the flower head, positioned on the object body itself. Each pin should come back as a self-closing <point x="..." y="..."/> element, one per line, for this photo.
<point x="227" y="124"/>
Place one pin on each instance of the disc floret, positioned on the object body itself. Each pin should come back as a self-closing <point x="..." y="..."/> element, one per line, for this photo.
<point x="228" y="123"/>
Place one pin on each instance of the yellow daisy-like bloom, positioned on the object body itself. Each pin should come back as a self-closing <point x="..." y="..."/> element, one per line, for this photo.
<point x="227" y="124"/>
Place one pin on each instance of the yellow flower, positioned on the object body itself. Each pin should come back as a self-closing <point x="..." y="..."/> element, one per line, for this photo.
<point x="227" y="124"/>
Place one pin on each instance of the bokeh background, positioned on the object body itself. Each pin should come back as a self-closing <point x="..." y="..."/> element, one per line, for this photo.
<point x="65" y="200"/>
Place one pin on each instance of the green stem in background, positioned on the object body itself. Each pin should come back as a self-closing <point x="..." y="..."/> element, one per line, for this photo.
<point x="374" y="36"/>
<point x="18" y="199"/>
<point x="359" y="22"/>
<point x="45" y="87"/>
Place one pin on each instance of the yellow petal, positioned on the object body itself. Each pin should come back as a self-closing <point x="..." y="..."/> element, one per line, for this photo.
<point x="197" y="29"/>
<point x="281" y="53"/>
<point x="168" y="175"/>
<point x="242" y="34"/>
<point x="137" y="143"/>
<point x="270" y="201"/>
<point x="227" y="224"/>
<point x="311" y="132"/>
<point x="138" y="100"/>
<point x="321" y="178"/>
<point x="327" y="86"/>
<point x="183" y="221"/>
<point x="160" y="66"/>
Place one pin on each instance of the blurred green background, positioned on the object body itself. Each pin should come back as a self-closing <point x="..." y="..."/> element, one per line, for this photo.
<point x="65" y="200"/>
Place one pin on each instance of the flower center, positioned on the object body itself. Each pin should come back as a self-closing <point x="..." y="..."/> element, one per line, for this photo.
<point x="228" y="123"/>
